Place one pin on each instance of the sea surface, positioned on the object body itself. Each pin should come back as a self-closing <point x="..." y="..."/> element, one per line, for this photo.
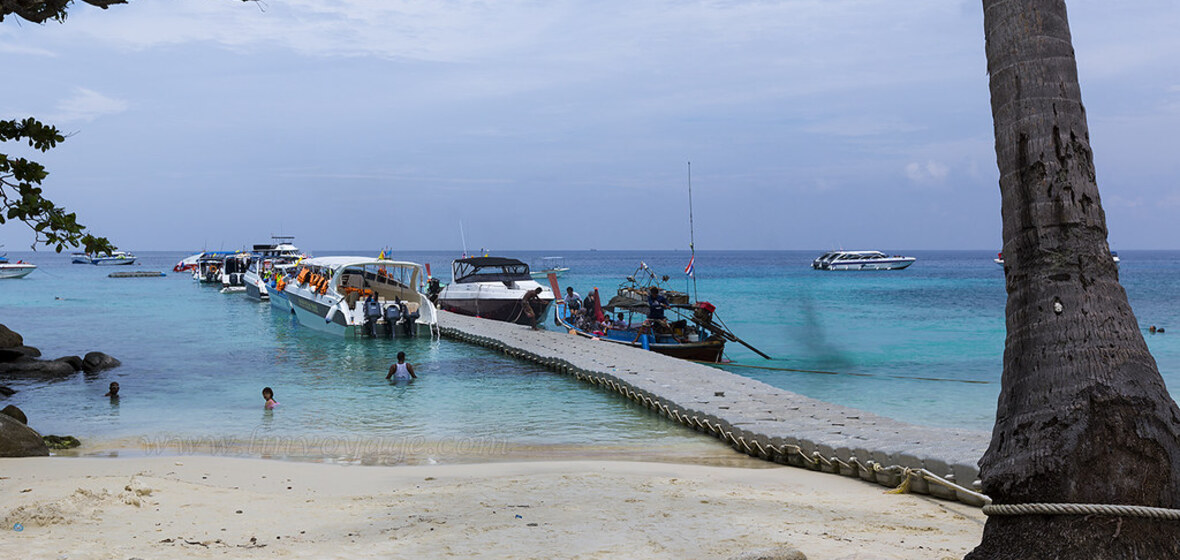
<point x="923" y="345"/>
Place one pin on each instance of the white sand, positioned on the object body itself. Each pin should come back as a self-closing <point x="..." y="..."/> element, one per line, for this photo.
<point x="217" y="507"/>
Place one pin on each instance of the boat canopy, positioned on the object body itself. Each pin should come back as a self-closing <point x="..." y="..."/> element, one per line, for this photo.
<point x="489" y="269"/>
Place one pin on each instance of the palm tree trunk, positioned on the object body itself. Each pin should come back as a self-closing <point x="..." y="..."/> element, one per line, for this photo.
<point x="1083" y="414"/>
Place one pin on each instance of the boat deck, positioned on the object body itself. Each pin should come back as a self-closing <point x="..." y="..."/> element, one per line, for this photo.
<point x="751" y="416"/>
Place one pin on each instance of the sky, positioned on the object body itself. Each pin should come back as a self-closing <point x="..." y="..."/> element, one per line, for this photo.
<point x="568" y="124"/>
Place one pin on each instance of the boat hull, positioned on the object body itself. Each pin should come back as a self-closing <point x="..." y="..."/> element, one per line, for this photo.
<point x="506" y="310"/>
<point x="709" y="350"/>
<point x="105" y="261"/>
<point x="8" y="271"/>
<point x="311" y="311"/>
<point x="891" y="264"/>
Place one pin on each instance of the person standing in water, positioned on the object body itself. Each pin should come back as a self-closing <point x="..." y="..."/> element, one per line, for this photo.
<point x="113" y="391"/>
<point x="401" y="371"/>
<point x="269" y="395"/>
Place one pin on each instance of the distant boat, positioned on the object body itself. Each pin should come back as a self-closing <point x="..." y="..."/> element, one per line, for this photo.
<point x="547" y="265"/>
<point x="113" y="258"/>
<point x="188" y="263"/>
<point x="270" y="259"/>
<point x="1114" y="255"/>
<point x="860" y="260"/>
<point x="80" y="258"/>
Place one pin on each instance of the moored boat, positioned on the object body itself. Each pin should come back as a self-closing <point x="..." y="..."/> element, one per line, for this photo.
<point x="80" y="258"/>
<point x="270" y="260"/>
<point x="18" y="269"/>
<point x="114" y="258"/>
<point x="860" y="260"/>
<point x="329" y="294"/>
<point x="493" y="288"/>
<point x="549" y="265"/>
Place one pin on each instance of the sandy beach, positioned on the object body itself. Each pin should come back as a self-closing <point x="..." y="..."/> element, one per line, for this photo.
<point x="205" y="507"/>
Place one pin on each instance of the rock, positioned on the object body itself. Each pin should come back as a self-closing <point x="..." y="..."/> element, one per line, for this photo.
<point x="28" y="351"/>
<point x="17" y="413"/>
<point x="9" y="339"/>
<point x="777" y="553"/>
<point x="97" y="361"/>
<point x="74" y="361"/>
<point x="7" y="391"/>
<point x="61" y="442"/>
<point x="19" y="440"/>
<point x="38" y="368"/>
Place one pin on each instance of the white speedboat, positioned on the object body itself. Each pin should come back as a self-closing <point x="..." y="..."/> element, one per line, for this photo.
<point x="270" y="259"/>
<point x="18" y="269"/>
<point x="329" y="294"/>
<point x="493" y="288"/>
<point x="1114" y="256"/>
<point x="233" y="272"/>
<point x="549" y="265"/>
<point x="860" y="260"/>
<point x="208" y="267"/>
<point x="80" y="258"/>
<point x="114" y="258"/>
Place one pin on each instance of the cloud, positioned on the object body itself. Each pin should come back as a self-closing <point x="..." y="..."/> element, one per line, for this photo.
<point x="85" y="106"/>
<point x="930" y="173"/>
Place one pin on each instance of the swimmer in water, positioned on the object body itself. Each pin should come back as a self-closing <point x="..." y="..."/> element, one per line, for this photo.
<point x="401" y="371"/>
<point x="113" y="391"/>
<point x="269" y="395"/>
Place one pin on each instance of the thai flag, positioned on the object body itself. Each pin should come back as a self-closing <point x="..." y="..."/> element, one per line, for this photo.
<point x="689" y="270"/>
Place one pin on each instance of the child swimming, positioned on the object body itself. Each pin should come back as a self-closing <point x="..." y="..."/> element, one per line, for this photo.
<point x="269" y="395"/>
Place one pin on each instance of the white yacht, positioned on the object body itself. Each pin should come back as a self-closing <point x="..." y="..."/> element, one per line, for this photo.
<point x="80" y="258"/>
<point x="860" y="260"/>
<point x="492" y="288"/>
<point x="549" y="265"/>
<point x="330" y="293"/>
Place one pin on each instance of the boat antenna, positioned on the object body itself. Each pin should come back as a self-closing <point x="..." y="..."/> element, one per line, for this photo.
<point x="691" y="239"/>
<point x="463" y="238"/>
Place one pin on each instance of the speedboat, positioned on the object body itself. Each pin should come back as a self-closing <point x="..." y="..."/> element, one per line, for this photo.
<point x="207" y="269"/>
<point x="114" y="258"/>
<point x="493" y="288"/>
<point x="270" y="259"/>
<point x="188" y="264"/>
<point x="1114" y="256"/>
<point x="233" y="272"/>
<point x="80" y="258"/>
<point x="18" y="269"/>
<point x="549" y="265"/>
<point x="330" y="293"/>
<point x="860" y="260"/>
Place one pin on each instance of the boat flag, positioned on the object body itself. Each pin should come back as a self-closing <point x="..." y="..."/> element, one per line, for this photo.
<point x="689" y="270"/>
<point x="381" y="255"/>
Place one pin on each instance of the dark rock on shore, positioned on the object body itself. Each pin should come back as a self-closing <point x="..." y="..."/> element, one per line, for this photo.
<point x="10" y="339"/>
<point x="18" y="353"/>
<point x="7" y="391"/>
<point x="14" y="412"/>
<point x="97" y="361"/>
<point x="19" y="440"/>
<point x="38" y="368"/>
<point x="61" y="442"/>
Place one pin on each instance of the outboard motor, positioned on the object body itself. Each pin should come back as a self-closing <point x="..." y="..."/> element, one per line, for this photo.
<point x="392" y="314"/>
<point x="372" y="313"/>
<point x="408" y="320"/>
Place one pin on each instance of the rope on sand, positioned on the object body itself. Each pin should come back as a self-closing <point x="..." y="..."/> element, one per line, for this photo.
<point x="1083" y="509"/>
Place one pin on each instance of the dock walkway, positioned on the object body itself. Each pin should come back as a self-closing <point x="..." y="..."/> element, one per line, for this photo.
<point x="753" y="417"/>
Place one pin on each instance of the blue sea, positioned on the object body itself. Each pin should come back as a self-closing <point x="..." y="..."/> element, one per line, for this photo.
<point x="923" y="345"/>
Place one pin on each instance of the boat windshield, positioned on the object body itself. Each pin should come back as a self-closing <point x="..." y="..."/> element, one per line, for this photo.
<point x="489" y="269"/>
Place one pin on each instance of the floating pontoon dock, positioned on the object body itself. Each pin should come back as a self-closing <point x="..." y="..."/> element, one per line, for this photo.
<point x="753" y="417"/>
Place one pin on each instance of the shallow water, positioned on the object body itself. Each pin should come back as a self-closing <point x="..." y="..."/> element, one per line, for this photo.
<point x="195" y="360"/>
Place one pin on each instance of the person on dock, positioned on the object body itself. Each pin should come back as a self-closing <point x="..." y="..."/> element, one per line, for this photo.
<point x="401" y="371"/>
<point x="269" y="395"/>
<point x="527" y="303"/>
<point x="113" y="391"/>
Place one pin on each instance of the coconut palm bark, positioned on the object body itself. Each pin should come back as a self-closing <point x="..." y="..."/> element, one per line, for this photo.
<point x="1083" y="414"/>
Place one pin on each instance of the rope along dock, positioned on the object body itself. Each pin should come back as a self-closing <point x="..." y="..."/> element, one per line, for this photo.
<point x="751" y="416"/>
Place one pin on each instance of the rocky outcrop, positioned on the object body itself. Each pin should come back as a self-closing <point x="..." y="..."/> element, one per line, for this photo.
<point x="19" y="440"/>
<point x="97" y="361"/>
<point x="7" y="391"/>
<point x="14" y="412"/>
<point x="10" y="339"/>
<point x="18" y="353"/>
<point x="37" y="368"/>
<point x="74" y="362"/>
<point x="61" y="442"/>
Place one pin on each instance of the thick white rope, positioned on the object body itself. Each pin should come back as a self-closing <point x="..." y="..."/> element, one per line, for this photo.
<point x="1082" y="509"/>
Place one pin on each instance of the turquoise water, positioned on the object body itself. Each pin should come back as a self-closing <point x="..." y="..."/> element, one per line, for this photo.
<point x="195" y="360"/>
